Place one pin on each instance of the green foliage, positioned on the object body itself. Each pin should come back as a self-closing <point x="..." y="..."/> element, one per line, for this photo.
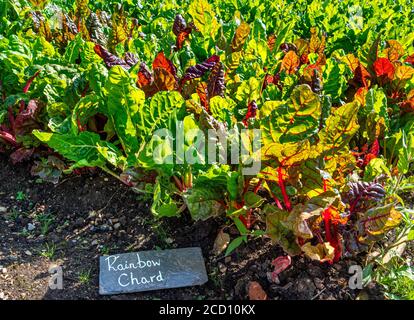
<point x="127" y="87"/>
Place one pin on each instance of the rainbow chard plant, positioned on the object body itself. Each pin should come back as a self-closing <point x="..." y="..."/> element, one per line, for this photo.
<point x="126" y="88"/>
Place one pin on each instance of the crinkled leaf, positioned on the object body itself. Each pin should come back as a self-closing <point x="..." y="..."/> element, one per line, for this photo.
<point x="279" y="233"/>
<point x="340" y="127"/>
<point x="84" y="110"/>
<point x="295" y="121"/>
<point x="204" y="17"/>
<point x="248" y="91"/>
<point x="290" y="62"/>
<point x="204" y="202"/>
<point x="379" y="220"/>
<point x="394" y="50"/>
<point x="321" y="252"/>
<point x="384" y="68"/>
<point x="119" y="31"/>
<point x="109" y="58"/>
<point x="162" y="62"/>
<point x="155" y="114"/>
<point x="85" y="149"/>
<point x="287" y="153"/>
<point x="335" y="78"/>
<point x="200" y="69"/>
<point x="216" y="86"/>
<point x="124" y="105"/>
<point x="240" y="36"/>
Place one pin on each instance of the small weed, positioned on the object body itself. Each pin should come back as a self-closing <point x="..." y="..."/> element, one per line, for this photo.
<point x="14" y="214"/>
<point x="85" y="276"/>
<point x="214" y="276"/>
<point x="397" y="280"/>
<point x="105" y="250"/>
<point x="20" y="196"/>
<point x="161" y="233"/>
<point x="24" y="233"/>
<point x="45" y="220"/>
<point x="48" y="251"/>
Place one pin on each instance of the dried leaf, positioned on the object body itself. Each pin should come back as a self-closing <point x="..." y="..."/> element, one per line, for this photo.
<point x="280" y="264"/>
<point x="321" y="252"/>
<point x="256" y="291"/>
<point x="221" y="242"/>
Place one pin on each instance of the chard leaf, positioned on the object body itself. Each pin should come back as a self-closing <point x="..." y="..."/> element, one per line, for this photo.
<point x="375" y="168"/>
<point x="405" y="152"/>
<point x="216" y="86"/>
<point x="155" y="114"/>
<point x="340" y="127"/>
<point x="204" y="202"/>
<point x="278" y="232"/>
<point x="119" y="31"/>
<point x="312" y="181"/>
<point x="248" y="91"/>
<point x="204" y="199"/>
<point x="163" y="205"/>
<point x="221" y="108"/>
<point x="378" y="220"/>
<point x="110" y="59"/>
<point x="84" y="109"/>
<point x="124" y="107"/>
<point x="85" y="149"/>
<point x="295" y="121"/>
<point x="290" y="62"/>
<point x="375" y="114"/>
<point x="335" y="78"/>
<point x="204" y="18"/>
<point x="240" y="36"/>
<point x="287" y="153"/>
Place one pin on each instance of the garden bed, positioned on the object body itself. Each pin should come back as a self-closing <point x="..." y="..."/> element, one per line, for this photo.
<point x="82" y="208"/>
<point x="277" y="138"/>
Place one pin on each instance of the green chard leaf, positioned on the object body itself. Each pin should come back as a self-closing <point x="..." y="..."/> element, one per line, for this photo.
<point x="85" y="149"/>
<point x="294" y="121"/>
<point x="124" y="105"/>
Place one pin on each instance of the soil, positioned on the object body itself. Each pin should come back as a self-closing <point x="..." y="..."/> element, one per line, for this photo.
<point x="89" y="215"/>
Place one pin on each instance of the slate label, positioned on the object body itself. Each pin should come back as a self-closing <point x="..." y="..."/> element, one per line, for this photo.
<point x="151" y="270"/>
